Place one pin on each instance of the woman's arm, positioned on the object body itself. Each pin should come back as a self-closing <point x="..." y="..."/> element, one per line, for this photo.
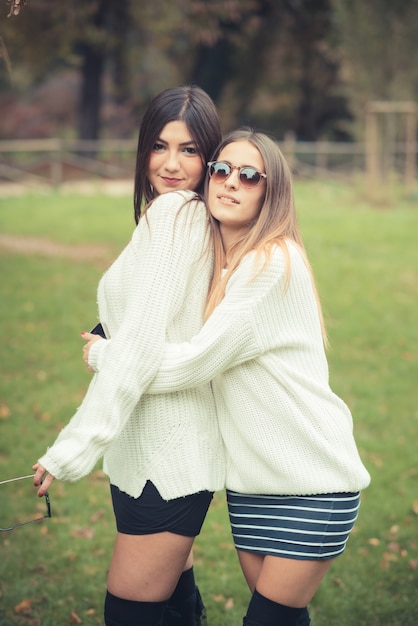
<point x="231" y="335"/>
<point x="164" y="249"/>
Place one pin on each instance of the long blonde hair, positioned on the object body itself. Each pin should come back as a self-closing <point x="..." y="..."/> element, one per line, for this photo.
<point x="275" y="223"/>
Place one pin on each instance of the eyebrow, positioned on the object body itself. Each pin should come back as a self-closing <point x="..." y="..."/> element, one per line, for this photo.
<point x="184" y="143"/>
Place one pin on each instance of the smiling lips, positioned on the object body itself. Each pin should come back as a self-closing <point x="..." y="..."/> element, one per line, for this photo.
<point x="228" y="199"/>
<point x="171" y="181"/>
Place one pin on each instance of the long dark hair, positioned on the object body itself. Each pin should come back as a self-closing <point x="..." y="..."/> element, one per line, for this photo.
<point x="196" y="109"/>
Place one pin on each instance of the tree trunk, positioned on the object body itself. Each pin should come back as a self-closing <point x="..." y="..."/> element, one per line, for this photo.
<point x="93" y="52"/>
<point x="212" y="67"/>
<point x="91" y="92"/>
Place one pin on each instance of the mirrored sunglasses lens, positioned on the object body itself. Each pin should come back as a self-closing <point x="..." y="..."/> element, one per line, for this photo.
<point x="249" y="177"/>
<point x="220" y="171"/>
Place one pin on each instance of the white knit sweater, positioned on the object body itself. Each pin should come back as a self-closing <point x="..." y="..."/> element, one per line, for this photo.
<point x="284" y="429"/>
<point x="154" y="292"/>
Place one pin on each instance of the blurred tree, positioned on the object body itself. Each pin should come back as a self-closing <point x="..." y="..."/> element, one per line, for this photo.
<point x="85" y="34"/>
<point x="271" y="63"/>
<point x="92" y="47"/>
<point x="274" y="64"/>
<point x="379" y="52"/>
<point x="218" y="29"/>
<point x="101" y="39"/>
<point x="319" y="107"/>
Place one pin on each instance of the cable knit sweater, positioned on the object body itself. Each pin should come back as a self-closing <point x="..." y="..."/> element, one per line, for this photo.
<point x="284" y="429"/>
<point x="154" y="292"/>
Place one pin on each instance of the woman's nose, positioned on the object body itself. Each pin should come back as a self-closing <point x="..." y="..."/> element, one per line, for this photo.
<point x="172" y="162"/>
<point x="232" y="182"/>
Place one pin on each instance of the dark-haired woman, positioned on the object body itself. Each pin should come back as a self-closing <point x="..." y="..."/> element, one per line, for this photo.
<point x="163" y="455"/>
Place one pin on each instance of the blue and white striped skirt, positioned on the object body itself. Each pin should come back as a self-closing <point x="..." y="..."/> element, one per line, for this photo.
<point x="293" y="527"/>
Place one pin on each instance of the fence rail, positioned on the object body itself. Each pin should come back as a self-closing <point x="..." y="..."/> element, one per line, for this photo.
<point x="56" y="161"/>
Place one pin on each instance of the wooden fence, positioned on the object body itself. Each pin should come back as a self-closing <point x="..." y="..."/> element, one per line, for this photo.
<point x="55" y="161"/>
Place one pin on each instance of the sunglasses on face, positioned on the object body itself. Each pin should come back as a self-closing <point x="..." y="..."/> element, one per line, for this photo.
<point x="249" y="177"/>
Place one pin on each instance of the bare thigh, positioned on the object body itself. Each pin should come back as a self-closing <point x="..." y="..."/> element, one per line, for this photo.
<point x="291" y="582"/>
<point x="147" y="567"/>
<point x="251" y="565"/>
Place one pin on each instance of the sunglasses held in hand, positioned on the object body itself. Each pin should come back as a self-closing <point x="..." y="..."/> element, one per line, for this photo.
<point x="37" y="517"/>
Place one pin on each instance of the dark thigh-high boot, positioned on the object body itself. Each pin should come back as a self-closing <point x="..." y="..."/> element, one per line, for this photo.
<point x="185" y="607"/>
<point x="265" y="612"/>
<point x="121" y="612"/>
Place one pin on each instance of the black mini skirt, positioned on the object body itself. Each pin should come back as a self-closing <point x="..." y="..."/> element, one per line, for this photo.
<point x="150" y="514"/>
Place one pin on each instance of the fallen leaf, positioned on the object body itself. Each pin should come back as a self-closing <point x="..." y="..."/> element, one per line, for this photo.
<point x="4" y="411"/>
<point x="376" y="460"/>
<point x="374" y="541"/>
<point x="39" y="569"/>
<point x="74" y="618"/>
<point x="96" y="516"/>
<point x="415" y="507"/>
<point x="41" y="415"/>
<point x="219" y="598"/>
<point x="229" y="604"/>
<point x="85" y="533"/>
<point x="413" y="563"/>
<point x="23" y="607"/>
<point x="388" y="557"/>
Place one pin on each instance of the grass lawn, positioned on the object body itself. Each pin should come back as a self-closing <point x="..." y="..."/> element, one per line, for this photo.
<point x="365" y="260"/>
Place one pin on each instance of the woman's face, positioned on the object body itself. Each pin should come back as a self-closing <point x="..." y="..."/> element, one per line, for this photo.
<point x="174" y="162"/>
<point x="234" y="206"/>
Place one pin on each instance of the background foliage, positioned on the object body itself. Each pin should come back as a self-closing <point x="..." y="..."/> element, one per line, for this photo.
<point x="89" y="67"/>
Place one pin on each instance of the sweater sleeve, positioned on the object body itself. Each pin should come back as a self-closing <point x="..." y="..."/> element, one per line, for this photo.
<point x="230" y="336"/>
<point x="96" y="353"/>
<point x="165" y="245"/>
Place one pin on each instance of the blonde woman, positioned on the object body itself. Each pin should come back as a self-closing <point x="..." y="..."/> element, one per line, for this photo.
<point x="293" y="471"/>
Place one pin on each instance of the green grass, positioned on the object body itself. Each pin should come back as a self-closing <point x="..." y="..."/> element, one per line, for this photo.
<point x="366" y="264"/>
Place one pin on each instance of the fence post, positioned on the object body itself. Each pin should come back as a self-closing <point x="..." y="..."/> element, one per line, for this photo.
<point x="372" y="167"/>
<point x="289" y="148"/>
<point x="375" y="152"/>
<point x="55" y="167"/>
<point x="410" y="150"/>
<point x="321" y="160"/>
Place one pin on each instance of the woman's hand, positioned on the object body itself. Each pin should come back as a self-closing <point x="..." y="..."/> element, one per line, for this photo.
<point x="90" y="339"/>
<point x="40" y="472"/>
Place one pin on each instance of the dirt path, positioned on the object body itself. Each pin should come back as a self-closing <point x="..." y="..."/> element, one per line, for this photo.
<point x="47" y="247"/>
<point x="84" y="187"/>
